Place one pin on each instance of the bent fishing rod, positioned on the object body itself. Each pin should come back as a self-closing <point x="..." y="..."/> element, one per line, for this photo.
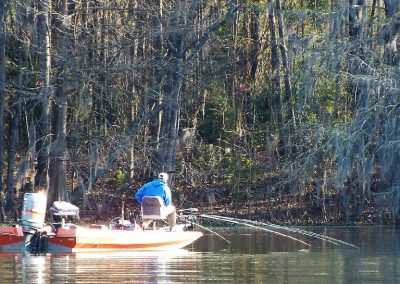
<point x="262" y="226"/>
<point x="214" y="217"/>
<point x="189" y="215"/>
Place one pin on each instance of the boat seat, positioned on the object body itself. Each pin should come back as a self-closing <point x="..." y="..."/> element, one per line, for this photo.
<point x="153" y="208"/>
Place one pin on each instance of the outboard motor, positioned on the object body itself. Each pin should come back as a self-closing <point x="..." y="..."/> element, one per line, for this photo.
<point x="33" y="215"/>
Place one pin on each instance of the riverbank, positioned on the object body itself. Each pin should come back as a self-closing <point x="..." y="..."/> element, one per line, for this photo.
<point x="289" y="212"/>
<point x="283" y="209"/>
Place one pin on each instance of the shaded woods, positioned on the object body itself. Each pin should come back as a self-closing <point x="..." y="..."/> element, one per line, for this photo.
<point x="284" y="110"/>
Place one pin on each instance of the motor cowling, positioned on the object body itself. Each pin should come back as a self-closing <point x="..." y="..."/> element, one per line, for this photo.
<point x="33" y="212"/>
<point x="33" y="216"/>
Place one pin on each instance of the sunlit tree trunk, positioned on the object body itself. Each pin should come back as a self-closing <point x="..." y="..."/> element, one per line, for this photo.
<point x="95" y="36"/>
<point x="247" y="70"/>
<point x="255" y="49"/>
<point x="275" y="82"/>
<point x="58" y="154"/>
<point x="357" y="85"/>
<point x="255" y="41"/>
<point x="155" y="124"/>
<point x="131" y="86"/>
<point x="174" y="76"/>
<point x="42" y="176"/>
<point x="285" y="63"/>
<point x="336" y="35"/>
<point x="84" y="125"/>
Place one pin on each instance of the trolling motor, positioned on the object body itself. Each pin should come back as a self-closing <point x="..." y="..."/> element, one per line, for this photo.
<point x="119" y="223"/>
<point x="33" y="215"/>
<point x="189" y="216"/>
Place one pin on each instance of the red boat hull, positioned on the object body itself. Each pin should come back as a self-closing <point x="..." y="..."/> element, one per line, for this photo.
<point x="11" y="238"/>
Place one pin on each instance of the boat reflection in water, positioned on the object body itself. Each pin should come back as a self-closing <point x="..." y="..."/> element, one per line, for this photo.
<point x="251" y="257"/>
<point x="34" y="268"/>
<point x="96" y="267"/>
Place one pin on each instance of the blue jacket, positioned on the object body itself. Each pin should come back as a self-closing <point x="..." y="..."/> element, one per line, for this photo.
<point x="155" y="188"/>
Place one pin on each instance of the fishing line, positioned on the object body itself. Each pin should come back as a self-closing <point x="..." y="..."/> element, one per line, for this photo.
<point x="231" y="220"/>
<point x="260" y="225"/>
<point x="204" y="228"/>
<point x="311" y="234"/>
<point x="294" y="230"/>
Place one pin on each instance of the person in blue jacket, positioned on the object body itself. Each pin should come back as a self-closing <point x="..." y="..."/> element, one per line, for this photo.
<point x="158" y="187"/>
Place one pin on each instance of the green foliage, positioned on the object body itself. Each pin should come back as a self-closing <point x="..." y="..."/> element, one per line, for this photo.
<point x="208" y="157"/>
<point x="320" y="5"/>
<point x="241" y="168"/>
<point x="119" y="176"/>
<point x="218" y="119"/>
<point x="242" y="172"/>
<point x="309" y="15"/>
<point x="263" y="108"/>
<point x="120" y="183"/>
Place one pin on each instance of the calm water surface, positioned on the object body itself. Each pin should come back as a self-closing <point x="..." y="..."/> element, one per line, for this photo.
<point x="252" y="257"/>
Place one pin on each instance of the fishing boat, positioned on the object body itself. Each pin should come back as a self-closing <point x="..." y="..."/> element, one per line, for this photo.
<point x="36" y="236"/>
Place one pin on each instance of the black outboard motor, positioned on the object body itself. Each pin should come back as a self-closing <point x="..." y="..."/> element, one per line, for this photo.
<point x="33" y="215"/>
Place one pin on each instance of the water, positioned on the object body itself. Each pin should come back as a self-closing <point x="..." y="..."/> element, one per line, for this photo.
<point x="252" y="257"/>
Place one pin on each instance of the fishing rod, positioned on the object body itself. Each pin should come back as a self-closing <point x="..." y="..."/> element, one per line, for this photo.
<point x="293" y="230"/>
<point x="211" y="231"/>
<point x="232" y="220"/>
<point x="303" y="232"/>
<point x="189" y="212"/>
<point x="260" y="225"/>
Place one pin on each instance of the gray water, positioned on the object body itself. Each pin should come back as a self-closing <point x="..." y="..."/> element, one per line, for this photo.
<point x="253" y="256"/>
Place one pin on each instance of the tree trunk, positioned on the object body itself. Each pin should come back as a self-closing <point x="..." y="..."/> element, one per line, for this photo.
<point x="3" y="13"/>
<point x="155" y="124"/>
<point x="391" y="33"/>
<point x="58" y="154"/>
<point x="255" y="48"/>
<point x="172" y="114"/>
<point x="275" y="83"/>
<point x="357" y="56"/>
<point x="131" y="84"/>
<point x="15" y="118"/>
<point x="285" y="63"/>
<point x="42" y="177"/>
<point x="14" y="185"/>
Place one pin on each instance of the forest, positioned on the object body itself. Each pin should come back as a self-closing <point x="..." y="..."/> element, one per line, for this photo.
<point x="286" y="111"/>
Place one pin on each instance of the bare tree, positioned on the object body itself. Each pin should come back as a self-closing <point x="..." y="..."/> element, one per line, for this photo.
<point x="285" y="62"/>
<point x="391" y="32"/>
<point x="42" y="177"/>
<point x="3" y="13"/>
<point x="275" y="81"/>
<point x="183" y="48"/>
<point x="58" y="152"/>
